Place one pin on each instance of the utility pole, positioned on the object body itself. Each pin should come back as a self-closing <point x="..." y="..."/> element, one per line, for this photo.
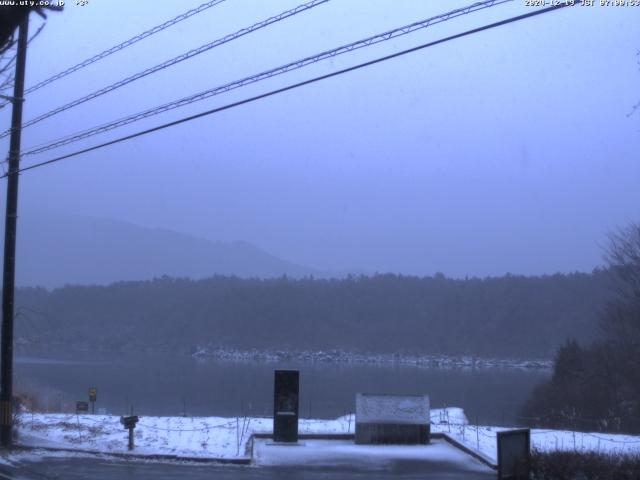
<point x="9" y="268"/>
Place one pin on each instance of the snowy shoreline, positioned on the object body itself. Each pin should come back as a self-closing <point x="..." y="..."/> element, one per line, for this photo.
<point x="352" y="358"/>
<point x="230" y="438"/>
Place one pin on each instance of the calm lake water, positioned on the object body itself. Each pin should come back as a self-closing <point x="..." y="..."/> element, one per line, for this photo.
<point x="165" y="385"/>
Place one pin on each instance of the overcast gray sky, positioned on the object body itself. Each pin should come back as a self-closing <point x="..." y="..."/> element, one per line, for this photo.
<point x="506" y="151"/>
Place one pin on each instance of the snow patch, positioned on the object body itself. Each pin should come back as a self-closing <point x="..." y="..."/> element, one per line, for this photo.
<point x="223" y="437"/>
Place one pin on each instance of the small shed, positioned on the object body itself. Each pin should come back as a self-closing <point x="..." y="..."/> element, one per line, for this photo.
<point x="392" y="419"/>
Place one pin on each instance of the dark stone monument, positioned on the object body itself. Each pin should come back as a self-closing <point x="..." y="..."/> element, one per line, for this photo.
<point x="285" y="405"/>
<point x="514" y="454"/>
<point x="392" y="419"/>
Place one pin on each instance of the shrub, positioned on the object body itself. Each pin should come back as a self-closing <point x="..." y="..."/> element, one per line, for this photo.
<point x="561" y="465"/>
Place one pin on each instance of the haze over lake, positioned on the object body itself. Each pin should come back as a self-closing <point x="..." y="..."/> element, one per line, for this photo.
<point x="166" y="385"/>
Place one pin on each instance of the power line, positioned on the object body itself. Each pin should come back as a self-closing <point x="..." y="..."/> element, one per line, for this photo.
<point x="125" y="44"/>
<point x="300" y="84"/>
<point x="34" y="36"/>
<point x="9" y="64"/>
<point x="121" y="46"/>
<point x="375" y="39"/>
<point x="180" y="58"/>
<point x="7" y="45"/>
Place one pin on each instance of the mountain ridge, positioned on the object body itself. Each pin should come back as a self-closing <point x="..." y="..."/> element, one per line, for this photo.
<point x="55" y="249"/>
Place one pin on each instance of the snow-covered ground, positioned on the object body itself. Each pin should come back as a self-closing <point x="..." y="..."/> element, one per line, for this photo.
<point x="218" y="437"/>
<point x="344" y="454"/>
<point x="338" y="356"/>
<point x="482" y="439"/>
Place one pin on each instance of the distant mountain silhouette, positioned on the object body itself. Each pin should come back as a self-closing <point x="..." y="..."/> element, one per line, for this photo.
<point x="54" y="250"/>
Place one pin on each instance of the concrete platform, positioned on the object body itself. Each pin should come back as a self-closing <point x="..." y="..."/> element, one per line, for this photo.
<point x="437" y="457"/>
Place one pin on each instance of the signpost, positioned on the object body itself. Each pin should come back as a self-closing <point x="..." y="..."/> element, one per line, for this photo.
<point x="82" y="407"/>
<point x="93" y="395"/>
<point x="129" y="423"/>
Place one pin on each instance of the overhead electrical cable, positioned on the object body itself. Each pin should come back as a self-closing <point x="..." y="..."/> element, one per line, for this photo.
<point x="38" y="32"/>
<point x="381" y="37"/>
<point x="9" y="64"/>
<point x="125" y="44"/>
<point x="300" y="84"/>
<point x="180" y="58"/>
<point x="120" y="46"/>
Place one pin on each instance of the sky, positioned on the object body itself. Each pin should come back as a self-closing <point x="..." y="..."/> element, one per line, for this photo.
<point x="510" y="150"/>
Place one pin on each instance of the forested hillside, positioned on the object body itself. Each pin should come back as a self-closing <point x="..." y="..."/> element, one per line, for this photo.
<point x="510" y="316"/>
<point x="596" y="385"/>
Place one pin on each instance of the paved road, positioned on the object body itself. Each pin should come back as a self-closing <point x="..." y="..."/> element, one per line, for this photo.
<point x="108" y="469"/>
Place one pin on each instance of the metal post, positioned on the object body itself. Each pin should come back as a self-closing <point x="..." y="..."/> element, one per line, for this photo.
<point x="6" y="353"/>
<point x="129" y="423"/>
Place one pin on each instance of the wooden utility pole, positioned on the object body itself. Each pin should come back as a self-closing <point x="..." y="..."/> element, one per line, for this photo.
<point x="9" y="268"/>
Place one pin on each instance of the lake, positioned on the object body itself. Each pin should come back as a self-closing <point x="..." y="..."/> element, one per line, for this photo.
<point x="174" y="385"/>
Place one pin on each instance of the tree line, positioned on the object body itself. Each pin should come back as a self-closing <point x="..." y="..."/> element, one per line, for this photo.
<point x="509" y="316"/>
<point x="596" y="385"/>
